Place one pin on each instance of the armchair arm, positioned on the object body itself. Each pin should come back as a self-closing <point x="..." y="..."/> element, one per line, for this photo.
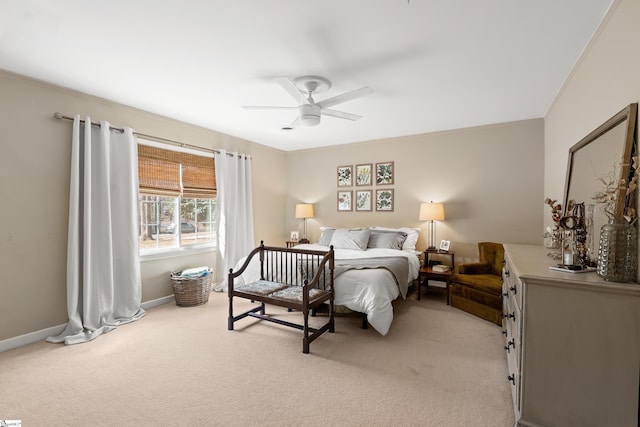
<point x="474" y="268"/>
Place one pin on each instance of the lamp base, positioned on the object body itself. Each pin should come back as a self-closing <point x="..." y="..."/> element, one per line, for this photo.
<point x="303" y="241"/>
<point x="431" y="248"/>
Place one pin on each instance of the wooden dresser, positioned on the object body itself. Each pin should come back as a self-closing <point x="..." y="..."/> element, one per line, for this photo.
<point x="572" y="342"/>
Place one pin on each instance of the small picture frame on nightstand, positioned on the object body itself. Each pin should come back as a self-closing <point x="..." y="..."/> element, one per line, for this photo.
<point x="444" y="245"/>
<point x="294" y="236"/>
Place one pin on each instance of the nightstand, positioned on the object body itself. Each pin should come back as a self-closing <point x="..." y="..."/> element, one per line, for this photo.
<point x="427" y="272"/>
<point x="292" y="243"/>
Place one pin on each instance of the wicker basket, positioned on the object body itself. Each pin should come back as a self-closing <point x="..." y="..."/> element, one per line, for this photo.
<point x="191" y="291"/>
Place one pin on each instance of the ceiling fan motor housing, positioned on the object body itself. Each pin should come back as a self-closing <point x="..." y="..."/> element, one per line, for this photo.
<point x="310" y="114"/>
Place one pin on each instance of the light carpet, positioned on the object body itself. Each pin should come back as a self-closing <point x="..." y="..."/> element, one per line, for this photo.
<point x="437" y="366"/>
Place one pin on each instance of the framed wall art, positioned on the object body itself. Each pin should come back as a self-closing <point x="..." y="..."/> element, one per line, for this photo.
<point x="345" y="176"/>
<point x="384" y="200"/>
<point x="363" y="200"/>
<point x="363" y="174"/>
<point x="384" y="173"/>
<point x="344" y="201"/>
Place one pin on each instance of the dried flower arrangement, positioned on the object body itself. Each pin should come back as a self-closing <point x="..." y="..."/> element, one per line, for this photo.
<point x="556" y="210"/>
<point x="614" y="188"/>
<point x="552" y="236"/>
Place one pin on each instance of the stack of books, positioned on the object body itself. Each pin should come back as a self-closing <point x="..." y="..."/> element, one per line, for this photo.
<point x="440" y="268"/>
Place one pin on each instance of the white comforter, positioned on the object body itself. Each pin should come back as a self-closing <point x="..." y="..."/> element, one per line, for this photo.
<point x="369" y="291"/>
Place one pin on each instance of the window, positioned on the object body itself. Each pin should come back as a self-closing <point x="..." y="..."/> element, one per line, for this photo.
<point x="177" y="200"/>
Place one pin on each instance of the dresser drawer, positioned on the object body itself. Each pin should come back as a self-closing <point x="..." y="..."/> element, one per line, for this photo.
<point x="512" y="286"/>
<point x="513" y="378"/>
<point x="512" y="327"/>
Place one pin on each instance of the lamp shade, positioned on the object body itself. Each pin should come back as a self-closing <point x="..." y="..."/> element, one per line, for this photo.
<point x="304" y="210"/>
<point x="431" y="212"/>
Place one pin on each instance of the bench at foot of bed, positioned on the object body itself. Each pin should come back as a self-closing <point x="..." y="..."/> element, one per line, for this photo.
<point x="296" y="279"/>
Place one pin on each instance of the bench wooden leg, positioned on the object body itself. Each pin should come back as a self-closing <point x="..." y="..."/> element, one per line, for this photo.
<point x="331" y="318"/>
<point x="305" y="331"/>
<point x="230" y="320"/>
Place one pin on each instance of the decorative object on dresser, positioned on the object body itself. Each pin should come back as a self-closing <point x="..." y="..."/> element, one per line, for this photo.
<point x="477" y="287"/>
<point x="572" y="344"/>
<point x="552" y="238"/>
<point x="304" y="211"/>
<point x="431" y="212"/>
<point x="608" y="157"/>
<point x="617" y="251"/>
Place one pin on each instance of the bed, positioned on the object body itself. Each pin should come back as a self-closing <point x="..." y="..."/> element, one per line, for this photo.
<point x="374" y="266"/>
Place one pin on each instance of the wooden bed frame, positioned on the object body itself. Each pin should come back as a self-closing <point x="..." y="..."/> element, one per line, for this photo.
<point x="297" y="279"/>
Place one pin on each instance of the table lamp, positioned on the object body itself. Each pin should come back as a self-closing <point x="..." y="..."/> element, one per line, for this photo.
<point x="432" y="212"/>
<point x="304" y="210"/>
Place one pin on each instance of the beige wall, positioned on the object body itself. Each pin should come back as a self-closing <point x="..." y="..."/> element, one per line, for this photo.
<point x="605" y="80"/>
<point x="34" y="189"/>
<point x="489" y="178"/>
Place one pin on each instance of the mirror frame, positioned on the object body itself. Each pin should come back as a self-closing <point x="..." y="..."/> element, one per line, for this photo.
<point x="629" y="113"/>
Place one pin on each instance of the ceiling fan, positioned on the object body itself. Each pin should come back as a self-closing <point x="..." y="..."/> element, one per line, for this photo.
<point x="303" y="88"/>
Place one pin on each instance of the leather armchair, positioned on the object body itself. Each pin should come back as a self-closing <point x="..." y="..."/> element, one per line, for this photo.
<point x="477" y="287"/>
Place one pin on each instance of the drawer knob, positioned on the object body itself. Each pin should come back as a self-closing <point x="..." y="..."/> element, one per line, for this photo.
<point x="512" y="378"/>
<point x="506" y="273"/>
<point x="513" y="289"/>
<point x="505" y="294"/>
<point x="509" y="344"/>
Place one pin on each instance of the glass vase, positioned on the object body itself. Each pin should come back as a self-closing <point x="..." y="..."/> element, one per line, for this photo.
<point x="617" y="253"/>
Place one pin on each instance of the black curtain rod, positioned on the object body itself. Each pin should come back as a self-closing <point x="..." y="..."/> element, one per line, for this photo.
<point x="143" y="135"/>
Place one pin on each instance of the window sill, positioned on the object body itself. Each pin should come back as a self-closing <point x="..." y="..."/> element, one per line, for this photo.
<point x="175" y="252"/>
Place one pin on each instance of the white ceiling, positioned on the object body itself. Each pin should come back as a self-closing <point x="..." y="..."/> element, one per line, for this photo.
<point x="433" y="64"/>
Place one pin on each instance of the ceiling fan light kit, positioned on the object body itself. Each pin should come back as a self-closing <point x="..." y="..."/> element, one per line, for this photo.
<point x="309" y="115"/>
<point x="302" y="90"/>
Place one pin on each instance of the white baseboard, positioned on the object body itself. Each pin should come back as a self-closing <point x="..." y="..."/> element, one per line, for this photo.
<point x="30" y="338"/>
<point x="41" y="335"/>
<point x="158" y="301"/>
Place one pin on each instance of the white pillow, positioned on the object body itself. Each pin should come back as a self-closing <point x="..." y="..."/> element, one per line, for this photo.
<point x="350" y="239"/>
<point x="412" y="236"/>
<point x="325" y="235"/>
<point x="387" y="239"/>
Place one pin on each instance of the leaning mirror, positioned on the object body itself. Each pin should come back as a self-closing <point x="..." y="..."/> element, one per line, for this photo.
<point x="605" y="153"/>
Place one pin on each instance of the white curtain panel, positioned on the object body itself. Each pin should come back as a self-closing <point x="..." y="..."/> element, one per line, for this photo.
<point x="103" y="261"/>
<point x="234" y="213"/>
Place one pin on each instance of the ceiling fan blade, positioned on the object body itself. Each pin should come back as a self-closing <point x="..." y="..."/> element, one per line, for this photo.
<point x="340" y="114"/>
<point x="347" y="96"/>
<point x="260" y="107"/>
<point x="291" y="89"/>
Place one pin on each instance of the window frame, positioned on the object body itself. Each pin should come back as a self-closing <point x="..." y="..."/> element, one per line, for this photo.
<point x="180" y="250"/>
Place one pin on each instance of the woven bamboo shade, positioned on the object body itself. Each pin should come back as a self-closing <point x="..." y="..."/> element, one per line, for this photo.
<point x="198" y="176"/>
<point x="170" y="173"/>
